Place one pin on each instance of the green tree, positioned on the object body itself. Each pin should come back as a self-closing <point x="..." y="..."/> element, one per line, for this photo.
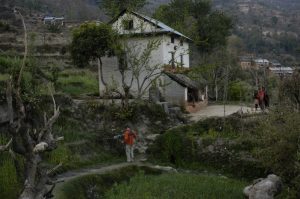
<point x="114" y="7"/>
<point x="209" y="29"/>
<point x="92" y="41"/>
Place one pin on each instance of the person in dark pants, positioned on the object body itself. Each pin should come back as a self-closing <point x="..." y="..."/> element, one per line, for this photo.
<point x="129" y="140"/>
<point x="261" y="96"/>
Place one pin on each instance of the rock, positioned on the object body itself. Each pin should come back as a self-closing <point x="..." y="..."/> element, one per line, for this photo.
<point x="264" y="188"/>
<point x="152" y="137"/>
<point x="211" y="148"/>
<point x="158" y="123"/>
<point x="168" y="169"/>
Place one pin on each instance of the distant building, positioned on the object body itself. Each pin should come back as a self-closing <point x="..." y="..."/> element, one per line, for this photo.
<point x="54" y="20"/>
<point x="281" y="71"/>
<point x="262" y="63"/>
<point x="246" y="62"/>
<point x="275" y="63"/>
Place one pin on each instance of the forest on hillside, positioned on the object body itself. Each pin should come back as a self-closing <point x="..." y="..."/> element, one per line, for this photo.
<point x="263" y="28"/>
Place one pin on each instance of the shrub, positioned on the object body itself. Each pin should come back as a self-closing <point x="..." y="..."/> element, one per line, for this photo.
<point x="279" y="148"/>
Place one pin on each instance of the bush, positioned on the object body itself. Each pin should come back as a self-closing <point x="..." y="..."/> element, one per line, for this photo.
<point x="239" y="90"/>
<point x="279" y="148"/>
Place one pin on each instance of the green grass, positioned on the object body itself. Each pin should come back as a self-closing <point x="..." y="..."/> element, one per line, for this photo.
<point x="77" y="82"/>
<point x="4" y="77"/>
<point x="95" y="186"/>
<point x="10" y="185"/>
<point x="178" y="186"/>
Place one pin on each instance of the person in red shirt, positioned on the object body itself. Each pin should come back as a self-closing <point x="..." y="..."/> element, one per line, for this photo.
<point x="261" y="98"/>
<point x="129" y="140"/>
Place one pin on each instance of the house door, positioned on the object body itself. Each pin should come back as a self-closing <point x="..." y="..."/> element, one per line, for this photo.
<point x="193" y="95"/>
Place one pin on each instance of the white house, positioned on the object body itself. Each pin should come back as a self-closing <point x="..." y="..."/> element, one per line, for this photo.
<point x="54" y="20"/>
<point x="171" y="51"/>
<point x="281" y="71"/>
<point x="261" y="63"/>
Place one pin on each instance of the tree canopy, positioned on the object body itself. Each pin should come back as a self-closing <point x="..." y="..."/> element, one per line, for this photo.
<point x="208" y="28"/>
<point x="114" y="7"/>
<point x="91" y="41"/>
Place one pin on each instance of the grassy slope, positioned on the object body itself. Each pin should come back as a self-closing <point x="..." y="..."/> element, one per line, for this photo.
<point x="178" y="186"/>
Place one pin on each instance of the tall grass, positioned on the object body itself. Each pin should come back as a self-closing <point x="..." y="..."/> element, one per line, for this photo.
<point x="77" y="82"/>
<point x="10" y="185"/>
<point x="179" y="186"/>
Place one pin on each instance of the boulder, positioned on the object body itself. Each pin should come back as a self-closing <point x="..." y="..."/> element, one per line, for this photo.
<point x="264" y="188"/>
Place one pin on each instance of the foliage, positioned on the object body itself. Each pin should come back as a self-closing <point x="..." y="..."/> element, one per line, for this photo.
<point x="54" y="28"/>
<point x="91" y="41"/>
<point x="278" y="147"/>
<point x="114" y="7"/>
<point x="290" y="89"/>
<point x="240" y="90"/>
<point x="213" y="31"/>
<point x="209" y="29"/>
<point x="178" y="186"/>
<point x="230" y="139"/>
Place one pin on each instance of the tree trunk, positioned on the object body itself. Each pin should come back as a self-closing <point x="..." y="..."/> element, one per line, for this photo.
<point x="216" y="91"/>
<point x="100" y="76"/>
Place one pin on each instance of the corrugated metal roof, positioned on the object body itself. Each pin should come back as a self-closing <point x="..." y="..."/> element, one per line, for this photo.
<point x="183" y="80"/>
<point x="164" y="27"/>
<point x="161" y="25"/>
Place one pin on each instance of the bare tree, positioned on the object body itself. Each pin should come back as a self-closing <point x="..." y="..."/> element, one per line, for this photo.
<point x="5" y="147"/>
<point x="30" y="140"/>
<point x="136" y="67"/>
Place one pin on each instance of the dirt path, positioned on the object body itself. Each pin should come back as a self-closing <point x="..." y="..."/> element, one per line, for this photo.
<point x="68" y="176"/>
<point x="217" y="111"/>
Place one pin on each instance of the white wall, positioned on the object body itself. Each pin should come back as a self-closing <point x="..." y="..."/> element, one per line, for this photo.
<point x="174" y="92"/>
<point x="178" y="49"/>
<point x="139" y="25"/>
<point x="136" y="46"/>
<point x="142" y="26"/>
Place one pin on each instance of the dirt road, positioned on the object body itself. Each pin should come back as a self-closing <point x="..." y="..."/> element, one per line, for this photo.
<point x="217" y="111"/>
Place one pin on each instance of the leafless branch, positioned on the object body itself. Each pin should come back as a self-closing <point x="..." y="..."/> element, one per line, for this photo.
<point x="5" y="147"/>
<point x="51" y="171"/>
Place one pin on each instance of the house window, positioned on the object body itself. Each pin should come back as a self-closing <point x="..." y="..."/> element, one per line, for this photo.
<point x="181" y="60"/>
<point x="128" y="24"/>
<point x="181" y="42"/>
<point x="172" y="40"/>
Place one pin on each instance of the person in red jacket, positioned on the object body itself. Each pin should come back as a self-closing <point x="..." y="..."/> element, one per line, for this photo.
<point x="129" y="139"/>
<point x="261" y="96"/>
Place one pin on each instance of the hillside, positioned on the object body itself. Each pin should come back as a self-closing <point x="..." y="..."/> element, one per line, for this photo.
<point x="268" y="28"/>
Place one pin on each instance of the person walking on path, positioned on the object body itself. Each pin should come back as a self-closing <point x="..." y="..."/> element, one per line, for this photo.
<point x="256" y="100"/>
<point x="129" y="139"/>
<point x="261" y="95"/>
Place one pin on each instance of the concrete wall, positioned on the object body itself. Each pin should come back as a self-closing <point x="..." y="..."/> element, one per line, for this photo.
<point x="178" y="49"/>
<point x="139" y="25"/>
<point x="174" y="92"/>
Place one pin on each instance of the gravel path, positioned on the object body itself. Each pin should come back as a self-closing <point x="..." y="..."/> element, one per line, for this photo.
<point x="218" y="111"/>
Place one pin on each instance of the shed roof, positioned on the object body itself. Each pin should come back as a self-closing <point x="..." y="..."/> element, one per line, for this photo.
<point x="164" y="28"/>
<point x="183" y="80"/>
